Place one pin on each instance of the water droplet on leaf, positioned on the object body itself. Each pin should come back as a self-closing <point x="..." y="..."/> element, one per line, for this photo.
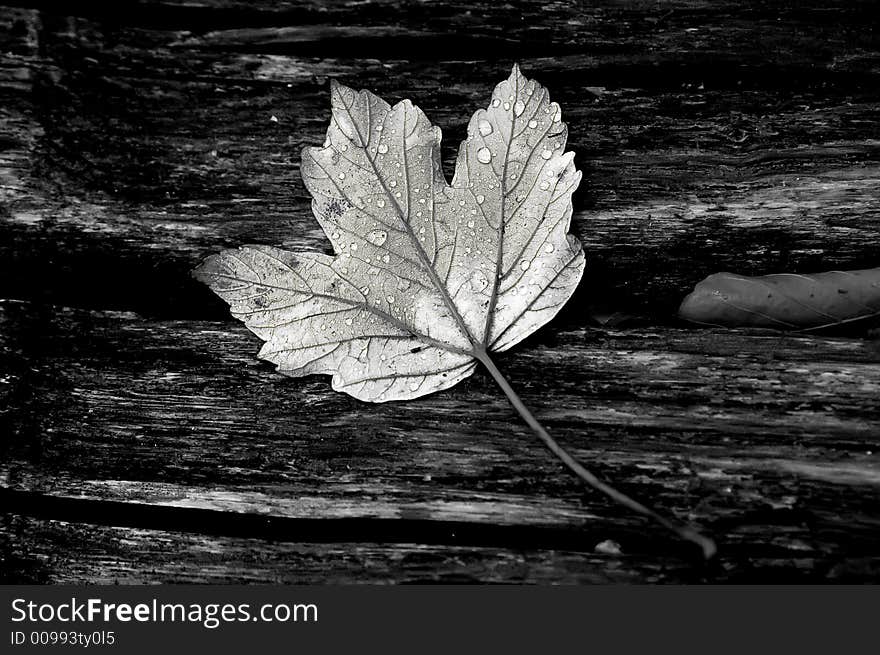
<point x="377" y="237"/>
<point x="479" y="281"/>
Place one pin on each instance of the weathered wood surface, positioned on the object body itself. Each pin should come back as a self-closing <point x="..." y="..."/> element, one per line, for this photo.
<point x="142" y="441"/>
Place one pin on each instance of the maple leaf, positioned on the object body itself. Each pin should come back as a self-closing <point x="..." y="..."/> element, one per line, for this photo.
<point x="427" y="278"/>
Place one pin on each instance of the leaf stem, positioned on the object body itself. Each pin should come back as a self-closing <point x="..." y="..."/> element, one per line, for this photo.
<point x="684" y="531"/>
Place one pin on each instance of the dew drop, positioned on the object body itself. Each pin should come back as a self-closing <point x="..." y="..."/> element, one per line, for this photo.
<point x="480" y="199"/>
<point x="380" y="203"/>
<point x="386" y="258"/>
<point x="549" y="247"/>
<point x="533" y="123"/>
<point x="547" y="154"/>
<point x="365" y="291"/>
<point x="377" y="237"/>
<point x="506" y="106"/>
<point x="485" y="127"/>
<point x="518" y="108"/>
<point x="392" y="183"/>
<point x="390" y="298"/>
<point x="484" y="155"/>
<point x="382" y="149"/>
<point x="348" y="321"/>
<point x="495" y="102"/>
<point x="470" y="223"/>
<point x="479" y="281"/>
<point x="545" y="185"/>
<point x="341" y="176"/>
<point x="354" y="246"/>
<point x="336" y="235"/>
<point x="524" y="264"/>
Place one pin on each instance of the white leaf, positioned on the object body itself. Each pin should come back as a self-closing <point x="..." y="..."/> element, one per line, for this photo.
<point x="426" y="277"/>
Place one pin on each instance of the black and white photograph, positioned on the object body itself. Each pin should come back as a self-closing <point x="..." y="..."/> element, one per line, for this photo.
<point x="399" y="292"/>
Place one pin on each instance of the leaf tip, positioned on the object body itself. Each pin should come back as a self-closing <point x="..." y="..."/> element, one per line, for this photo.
<point x="206" y="269"/>
<point x="516" y="73"/>
<point x="337" y="89"/>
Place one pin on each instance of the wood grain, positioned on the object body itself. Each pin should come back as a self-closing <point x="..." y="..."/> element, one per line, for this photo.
<point x="142" y="440"/>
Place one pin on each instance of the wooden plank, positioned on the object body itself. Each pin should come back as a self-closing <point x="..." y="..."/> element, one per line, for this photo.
<point x="709" y="140"/>
<point x="767" y="440"/>
<point x="134" y="141"/>
<point x="57" y="552"/>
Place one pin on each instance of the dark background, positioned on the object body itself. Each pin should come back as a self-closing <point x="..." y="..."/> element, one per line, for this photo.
<point x="142" y="441"/>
